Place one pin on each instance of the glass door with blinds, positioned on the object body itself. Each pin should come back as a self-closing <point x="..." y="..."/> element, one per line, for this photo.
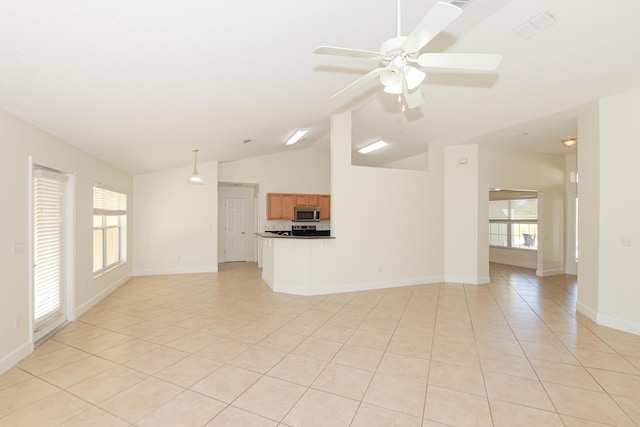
<point x="48" y="251"/>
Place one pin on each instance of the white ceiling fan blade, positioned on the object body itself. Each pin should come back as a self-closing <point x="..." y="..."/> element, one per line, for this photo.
<point x="436" y="20"/>
<point x="361" y="81"/>
<point x="412" y="99"/>
<point x="343" y="51"/>
<point x="461" y="61"/>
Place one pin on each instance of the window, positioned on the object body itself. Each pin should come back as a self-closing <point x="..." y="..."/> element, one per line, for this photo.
<point x="514" y="223"/>
<point x="109" y="229"/>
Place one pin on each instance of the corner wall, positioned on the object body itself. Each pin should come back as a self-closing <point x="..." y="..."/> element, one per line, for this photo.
<point x="18" y="141"/>
<point x="609" y="206"/>
<point x="461" y="219"/>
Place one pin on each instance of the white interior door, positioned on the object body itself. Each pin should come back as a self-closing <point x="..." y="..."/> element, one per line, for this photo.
<point x="235" y="235"/>
<point x="48" y="252"/>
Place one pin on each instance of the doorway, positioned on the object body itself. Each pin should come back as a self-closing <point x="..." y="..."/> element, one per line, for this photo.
<point x="49" y="231"/>
<point x="237" y="222"/>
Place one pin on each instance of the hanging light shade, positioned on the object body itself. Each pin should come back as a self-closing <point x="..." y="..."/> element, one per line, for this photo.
<point x="195" y="177"/>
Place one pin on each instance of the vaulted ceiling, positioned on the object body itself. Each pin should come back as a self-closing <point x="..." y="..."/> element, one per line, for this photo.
<point x="141" y="83"/>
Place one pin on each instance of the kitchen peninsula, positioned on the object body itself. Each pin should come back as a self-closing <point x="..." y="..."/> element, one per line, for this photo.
<point x="287" y="261"/>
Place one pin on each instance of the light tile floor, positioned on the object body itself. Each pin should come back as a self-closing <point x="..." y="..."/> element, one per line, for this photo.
<point x="224" y="350"/>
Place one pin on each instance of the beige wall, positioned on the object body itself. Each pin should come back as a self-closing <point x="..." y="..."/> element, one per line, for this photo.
<point x="609" y="206"/>
<point x="18" y="141"/>
<point x="589" y="210"/>
<point x="176" y="224"/>
<point x="461" y="221"/>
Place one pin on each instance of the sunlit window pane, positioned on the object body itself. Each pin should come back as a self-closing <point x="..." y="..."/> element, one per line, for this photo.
<point x="97" y="250"/>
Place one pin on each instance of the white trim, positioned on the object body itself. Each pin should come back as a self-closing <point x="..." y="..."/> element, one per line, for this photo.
<point x="587" y="311"/>
<point x="516" y="263"/>
<point x="609" y="321"/>
<point x="550" y="272"/>
<point x="353" y="287"/>
<point x="96" y="299"/>
<point x="468" y="280"/>
<point x="620" y="324"/>
<point x="185" y="270"/>
<point x="266" y="280"/>
<point x="12" y="359"/>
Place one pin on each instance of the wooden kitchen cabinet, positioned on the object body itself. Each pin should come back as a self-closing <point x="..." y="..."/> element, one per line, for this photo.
<point x="312" y="200"/>
<point x="307" y="200"/>
<point x="280" y="206"/>
<point x="324" y="201"/>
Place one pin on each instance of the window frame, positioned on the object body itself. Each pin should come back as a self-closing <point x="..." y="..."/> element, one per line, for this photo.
<point x="108" y="203"/>
<point x="509" y="221"/>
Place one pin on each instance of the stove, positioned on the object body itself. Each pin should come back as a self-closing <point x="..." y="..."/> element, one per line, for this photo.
<point x="308" y="230"/>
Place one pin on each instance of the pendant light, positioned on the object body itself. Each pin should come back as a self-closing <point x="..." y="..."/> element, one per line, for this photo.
<point x="195" y="178"/>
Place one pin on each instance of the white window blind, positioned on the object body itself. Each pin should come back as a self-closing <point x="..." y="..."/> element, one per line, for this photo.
<point x="108" y="202"/>
<point x="109" y="229"/>
<point x="48" y="205"/>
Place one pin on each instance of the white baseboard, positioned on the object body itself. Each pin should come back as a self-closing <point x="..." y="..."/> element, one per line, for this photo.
<point x="353" y="287"/>
<point x="516" y="263"/>
<point x="268" y="281"/>
<point x="620" y="324"/>
<point x="587" y="311"/>
<point x="102" y="295"/>
<point x="168" y="271"/>
<point x="550" y="272"/>
<point x="12" y="359"/>
<point x="609" y="321"/>
<point x="467" y="280"/>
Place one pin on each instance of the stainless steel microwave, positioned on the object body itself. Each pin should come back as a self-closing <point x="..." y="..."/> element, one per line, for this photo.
<point x="306" y="213"/>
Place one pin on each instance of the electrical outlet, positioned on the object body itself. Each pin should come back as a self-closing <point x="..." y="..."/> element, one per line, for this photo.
<point x="626" y="241"/>
<point x="17" y="323"/>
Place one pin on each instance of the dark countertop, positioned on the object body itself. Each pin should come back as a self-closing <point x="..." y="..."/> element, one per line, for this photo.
<point x="277" y="236"/>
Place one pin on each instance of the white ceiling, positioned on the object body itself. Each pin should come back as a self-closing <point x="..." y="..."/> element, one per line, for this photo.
<point x="141" y="83"/>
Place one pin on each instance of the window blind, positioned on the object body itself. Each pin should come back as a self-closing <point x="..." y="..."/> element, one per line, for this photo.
<point x="108" y="202"/>
<point x="48" y="205"/>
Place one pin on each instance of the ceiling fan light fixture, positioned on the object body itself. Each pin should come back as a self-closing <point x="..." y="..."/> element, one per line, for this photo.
<point x="414" y="77"/>
<point x="569" y="142"/>
<point x="390" y="77"/>
<point x="297" y="136"/>
<point x="373" y="146"/>
<point x="195" y="177"/>
<point x="394" y="89"/>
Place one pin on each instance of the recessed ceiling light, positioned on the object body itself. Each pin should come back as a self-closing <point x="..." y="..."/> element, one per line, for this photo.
<point x="296" y="136"/>
<point x="372" y="147"/>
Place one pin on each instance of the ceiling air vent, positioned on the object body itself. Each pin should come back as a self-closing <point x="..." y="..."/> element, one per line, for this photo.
<point x="536" y="25"/>
<point x="460" y="3"/>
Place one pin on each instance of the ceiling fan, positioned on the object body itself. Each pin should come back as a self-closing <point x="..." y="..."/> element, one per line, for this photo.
<point x="399" y="55"/>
